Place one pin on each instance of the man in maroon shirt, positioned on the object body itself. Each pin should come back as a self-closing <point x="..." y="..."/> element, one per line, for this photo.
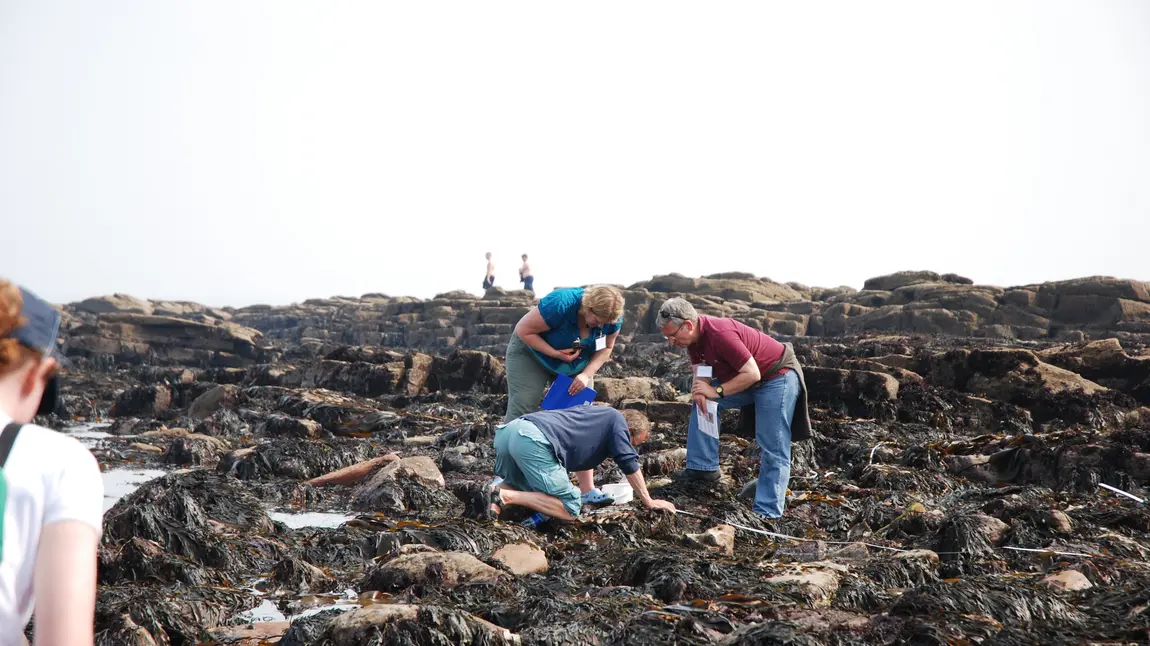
<point x="736" y="365"/>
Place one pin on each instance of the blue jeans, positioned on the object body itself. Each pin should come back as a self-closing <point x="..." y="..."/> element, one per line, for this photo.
<point x="774" y="403"/>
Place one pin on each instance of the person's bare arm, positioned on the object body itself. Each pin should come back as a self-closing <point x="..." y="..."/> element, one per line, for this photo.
<point x="639" y="484"/>
<point x="531" y="327"/>
<point x="65" y="584"/>
<point x="601" y="357"/>
<point x="747" y="376"/>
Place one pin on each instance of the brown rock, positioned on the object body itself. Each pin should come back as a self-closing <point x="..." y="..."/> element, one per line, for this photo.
<point x="285" y="425"/>
<point x="615" y="390"/>
<point x="213" y="400"/>
<point x="443" y="569"/>
<point x="353" y="474"/>
<point x="251" y="634"/>
<point x="419" y="468"/>
<point x="522" y="558"/>
<point x="145" y="448"/>
<point x="720" y="538"/>
<point x="1069" y="580"/>
<point x="663" y="462"/>
<point x="454" y="626"/>
<point x="814" y="584"/>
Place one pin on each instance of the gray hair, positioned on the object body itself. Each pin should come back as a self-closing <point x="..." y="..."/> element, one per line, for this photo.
<point x="676" y="309"/>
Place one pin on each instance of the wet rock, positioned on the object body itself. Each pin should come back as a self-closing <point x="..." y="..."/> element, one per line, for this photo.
<point x="419" y="468"/>
<point x="285" y="426"/>
<point x="664" y="462"/>
<point x="213" y="400"/>
<point x="295" y="459"/>
<point x="137" y="338"/>
<point x="197" y="450"/>
<point x="1056" y="521"/>
<point x="668" y="412"/>
<point x="145" y="401"/>
<point x="250" y="635"/>
<point x="146" y="448"/>
<point x="1006" y="375"/>
<point x="309" y="631"/>
<point x="971" y="536"/>
<point x="409" y="624"/>
<point x="614" y="391"/>
<point x="720" y="538"/>
<point x="458" y="458"/>
<point x="467" y="370"/>
<point x="433" y="569"/>
<point x="1069" y="580"/>
<point x="301" y="577"/>
<point x="522" y="558"/>
<point x="814" y="585"/>
<point x="860" y="393"/>
<point x="114" y="303"/>
<point x="408" y="483"/>
<point x="899" y="279"/>
<point x="852" y="552"/>
<point x="364" y="379"/>
<point x="353" y="474"/>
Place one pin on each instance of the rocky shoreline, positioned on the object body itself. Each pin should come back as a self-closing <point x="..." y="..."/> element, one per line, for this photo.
<point x="951" y="492"/>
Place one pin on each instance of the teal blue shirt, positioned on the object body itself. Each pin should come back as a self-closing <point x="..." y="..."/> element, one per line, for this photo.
<point x="560" y="311"/>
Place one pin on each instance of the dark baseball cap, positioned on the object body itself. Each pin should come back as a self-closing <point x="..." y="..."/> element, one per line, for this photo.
<point x="41" y="325"/>
<point x="39" y="331"/>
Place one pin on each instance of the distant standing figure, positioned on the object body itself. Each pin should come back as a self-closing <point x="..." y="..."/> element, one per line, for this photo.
<point x="525" y="276"/>
<point x="489" y="278"/>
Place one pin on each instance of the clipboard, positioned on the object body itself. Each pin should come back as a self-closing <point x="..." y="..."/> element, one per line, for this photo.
<point x="557" y="397"/>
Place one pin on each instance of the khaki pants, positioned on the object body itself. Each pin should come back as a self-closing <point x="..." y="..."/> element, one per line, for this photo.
<point x="527" y="379"/>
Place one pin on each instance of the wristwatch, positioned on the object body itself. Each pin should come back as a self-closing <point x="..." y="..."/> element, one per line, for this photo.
<point x="719" y="390"/>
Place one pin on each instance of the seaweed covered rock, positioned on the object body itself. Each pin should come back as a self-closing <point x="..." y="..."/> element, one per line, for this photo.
<point x="443" y="569"/>
<point x="192" y="514"/>
<point x="409" y="624"/>
<point x="295" y="459"/>
<point x="406" y="484"/>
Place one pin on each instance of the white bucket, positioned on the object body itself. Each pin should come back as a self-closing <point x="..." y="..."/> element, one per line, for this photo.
<point x="620" y="491"/>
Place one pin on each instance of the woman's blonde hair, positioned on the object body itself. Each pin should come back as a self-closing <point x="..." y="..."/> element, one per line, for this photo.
<point x="604" y="301"/>
<point x="13" y="354"/>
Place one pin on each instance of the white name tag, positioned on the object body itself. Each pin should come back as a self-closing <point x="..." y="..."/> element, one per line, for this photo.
<point x="703" y="372"/>
<point x="600" y="343"/>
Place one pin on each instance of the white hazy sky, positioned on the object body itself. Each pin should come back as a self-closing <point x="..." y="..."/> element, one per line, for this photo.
<point x="240" y="152"/>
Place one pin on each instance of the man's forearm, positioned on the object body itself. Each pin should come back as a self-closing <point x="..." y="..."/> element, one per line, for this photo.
<point x="639" y="485"/>
<point x="739" y="383"/>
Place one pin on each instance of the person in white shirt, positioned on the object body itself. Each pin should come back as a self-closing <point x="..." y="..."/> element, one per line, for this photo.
<point x="51" y="492"/>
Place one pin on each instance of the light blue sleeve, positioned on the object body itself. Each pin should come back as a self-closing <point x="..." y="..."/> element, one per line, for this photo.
<point x="560" y="306"/>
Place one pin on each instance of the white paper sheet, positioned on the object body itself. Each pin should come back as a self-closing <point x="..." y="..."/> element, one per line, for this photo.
<point x="709" y="421"/>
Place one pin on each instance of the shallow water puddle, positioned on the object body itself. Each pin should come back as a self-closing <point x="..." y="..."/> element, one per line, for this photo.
<point x="121" y="482"/>
<point x="297" y="520"/>
<point x="89" y="433"/>
<point x="269" y="611"/>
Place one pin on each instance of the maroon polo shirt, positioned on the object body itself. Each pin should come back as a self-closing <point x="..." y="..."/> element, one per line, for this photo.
<point x="726" y="344"/>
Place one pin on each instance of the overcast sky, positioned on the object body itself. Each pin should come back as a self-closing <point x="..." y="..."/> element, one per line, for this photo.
<point x="244" y="152"/>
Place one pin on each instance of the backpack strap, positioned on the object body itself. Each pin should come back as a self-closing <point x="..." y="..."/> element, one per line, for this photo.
<point x="7" y="439"/>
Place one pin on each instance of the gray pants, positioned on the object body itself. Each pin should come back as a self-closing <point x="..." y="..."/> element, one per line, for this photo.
<point x="527" y="379"/>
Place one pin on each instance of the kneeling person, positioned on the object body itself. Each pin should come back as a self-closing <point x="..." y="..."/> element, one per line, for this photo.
<point x="535" y="452"/>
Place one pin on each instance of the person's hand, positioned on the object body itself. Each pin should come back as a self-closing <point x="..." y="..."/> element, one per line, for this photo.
<point x="578" y="383"/>
<point x="567" y="356"/>
<point x="700" y="401"/>
<point x="663" y="505"/>
<point x="701" y="387"/>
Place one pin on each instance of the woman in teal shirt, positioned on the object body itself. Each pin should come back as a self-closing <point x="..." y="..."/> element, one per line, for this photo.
<point x="571" y="332"/>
